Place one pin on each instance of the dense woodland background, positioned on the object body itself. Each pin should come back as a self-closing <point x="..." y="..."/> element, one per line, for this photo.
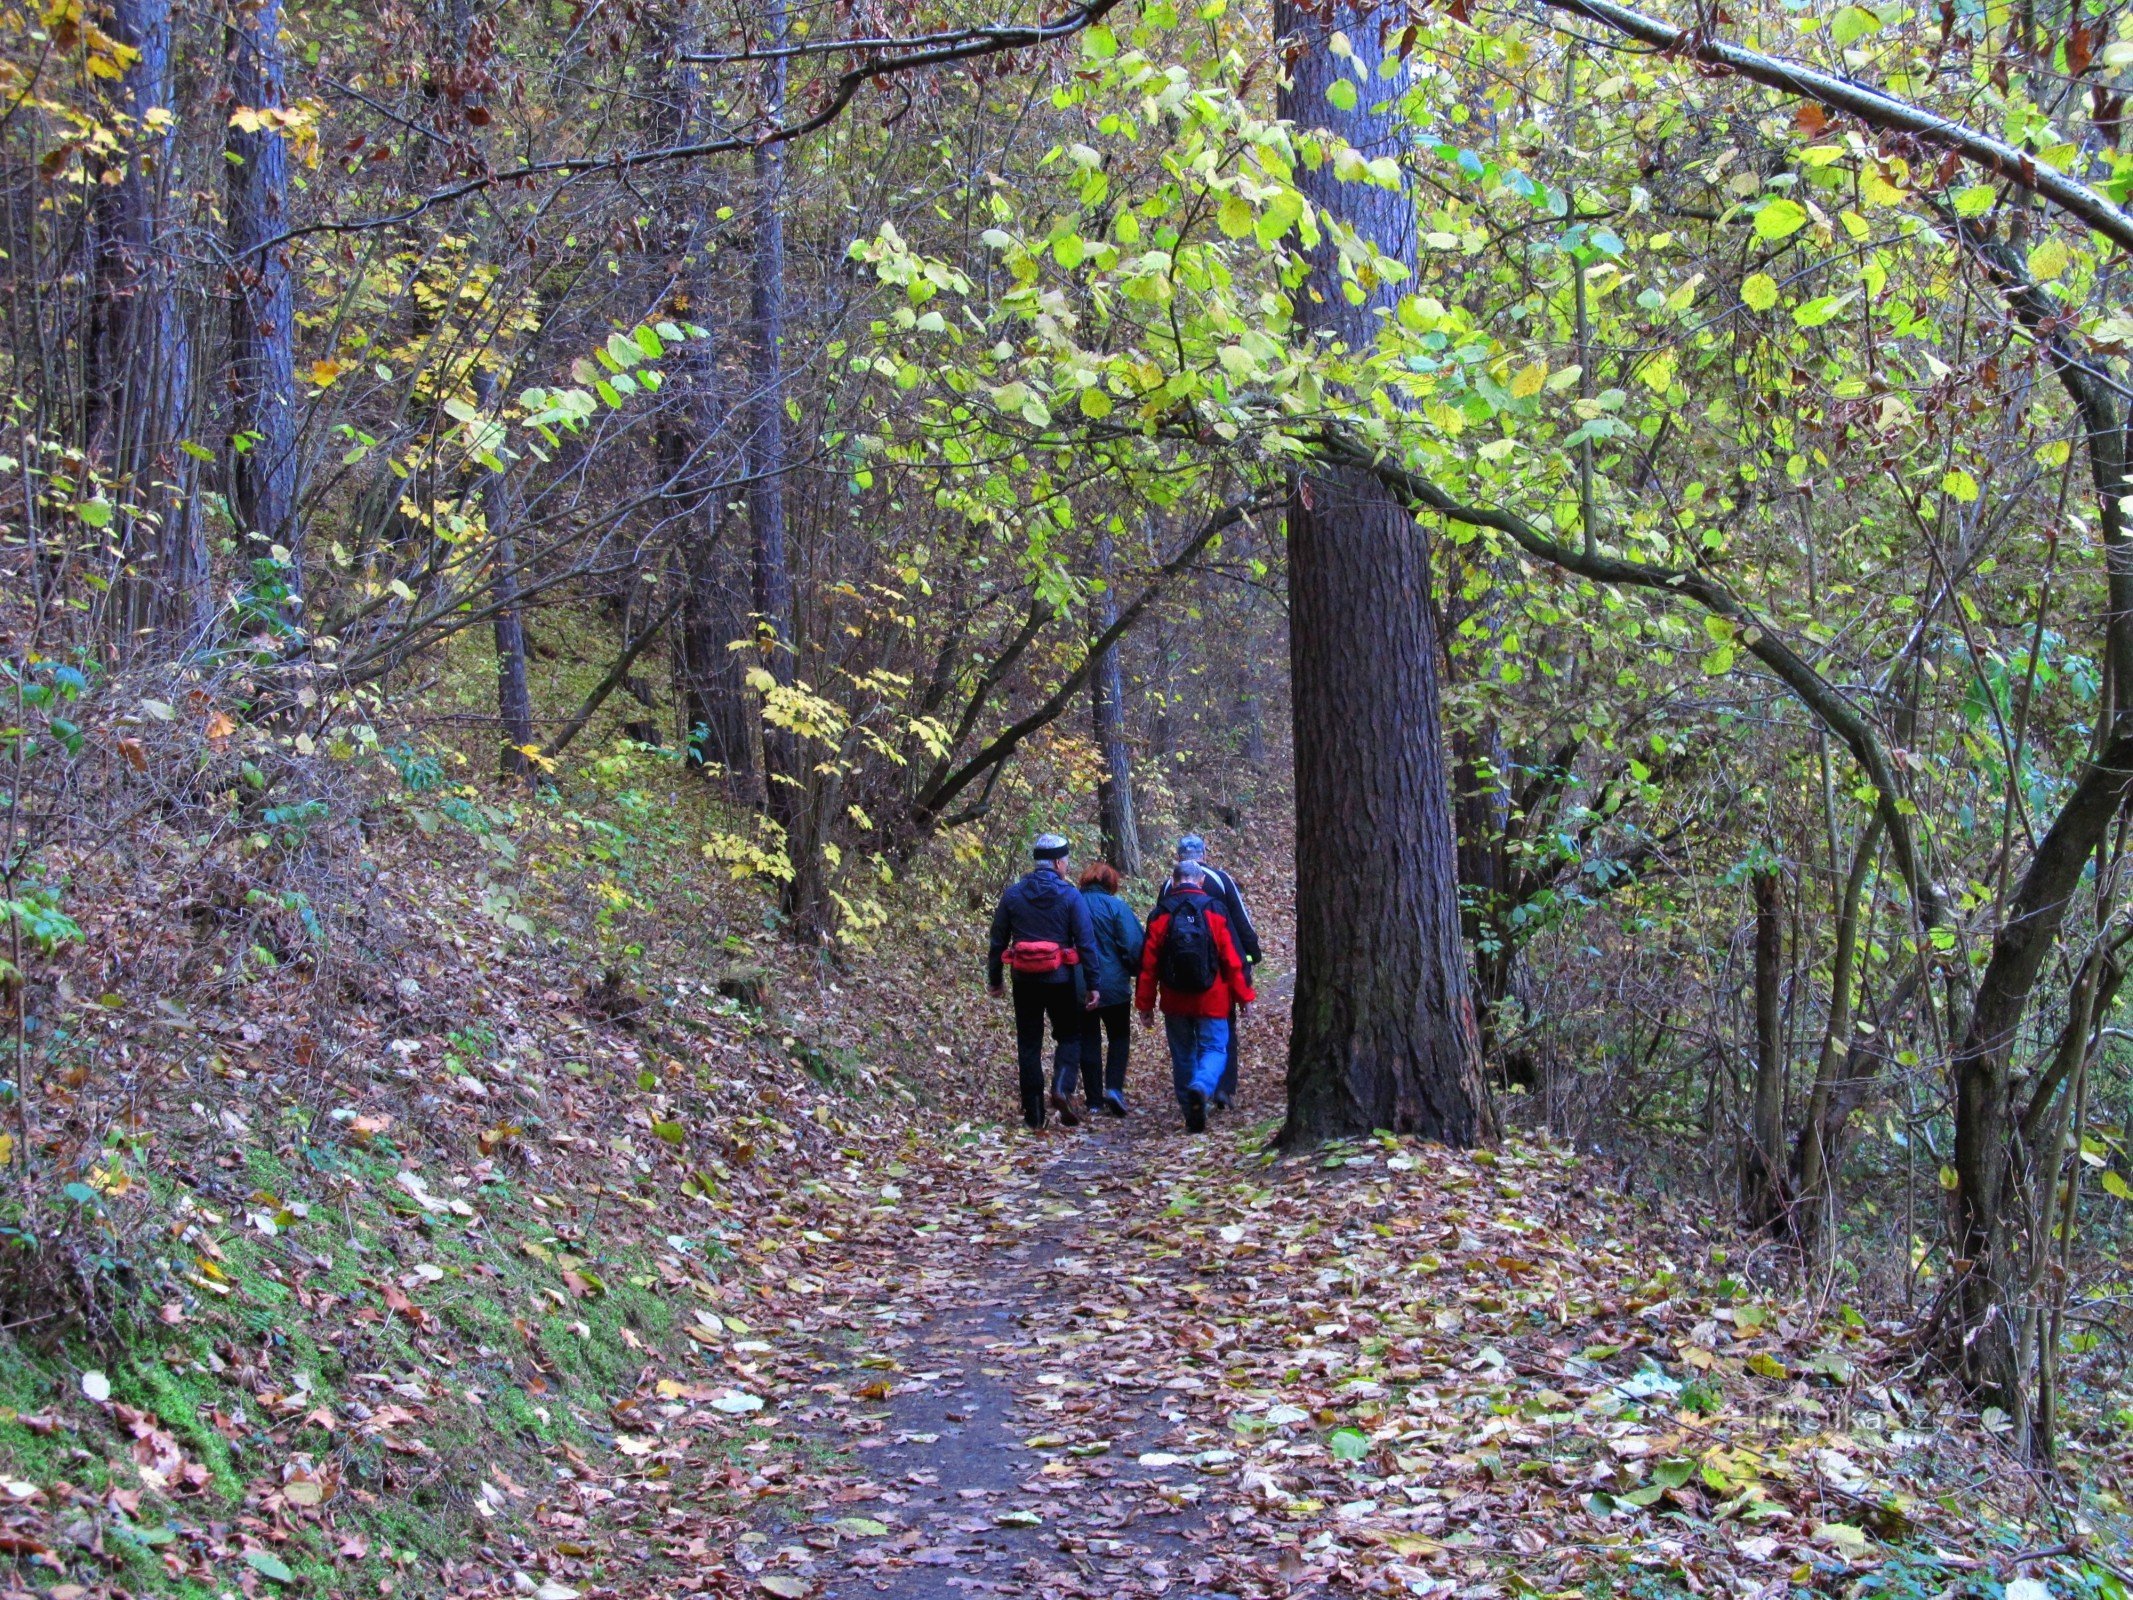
<point x="1646" y="495"/>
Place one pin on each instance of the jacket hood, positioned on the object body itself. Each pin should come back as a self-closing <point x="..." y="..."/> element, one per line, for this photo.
<point x="1044" y="886"/>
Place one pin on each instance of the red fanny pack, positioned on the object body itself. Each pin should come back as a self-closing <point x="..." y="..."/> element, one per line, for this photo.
<point x="1037" y="957"/>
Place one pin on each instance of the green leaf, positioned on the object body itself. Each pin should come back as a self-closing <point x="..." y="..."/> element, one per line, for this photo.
<point x="1759" y="291"/>
<point x="648" y="341"/>
<point x="1821" y="309"/>
<point x="1975" y="200"/>
<point x="1348" y="1444"/>
<point x="1673" y="1472"/>
<point x="671" y="1132"/>
<point x="1780" y="219"/>
<point x="1236" y="217"/>
<point x="269" y="1565"/>
<point x="94" y="513"/>
<point x="2116" y="1187"/>
<point x="1340" y="94"/>
<point x="1852" y="24"/>
<point x="1280" y="214"/>
<point x="1719" y="661"/>
<point x="1959" y="485"/>
<point x="1099" y="43"/>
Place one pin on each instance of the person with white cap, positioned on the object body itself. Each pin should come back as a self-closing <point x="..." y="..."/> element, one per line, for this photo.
<point x="1222" y="888"/>
<point x="1042" y="934"/>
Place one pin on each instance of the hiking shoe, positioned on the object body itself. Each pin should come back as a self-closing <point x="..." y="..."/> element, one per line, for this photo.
<point x="1221" y="1101"/>
<point x="1196" y="1110"/>
<point x="1068" y="1116"/>
<point x="1115" y="1103"/>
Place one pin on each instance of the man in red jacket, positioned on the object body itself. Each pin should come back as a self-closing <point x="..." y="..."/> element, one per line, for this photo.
<point x="1191" y="957"/>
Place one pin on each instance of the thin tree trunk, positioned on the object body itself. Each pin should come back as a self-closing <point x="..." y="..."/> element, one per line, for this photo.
<point x="1482" y="816"/>
<point x="1383" y="1034"/>
<point x="1984" y="1342"/>
<point x="1814" y="1183"/>
<point x="1252" y="710"/>
<point x="514" y="702"/>
<point x="1762" y="1198"/>
<point x="1107" y="698"/>
<point x="263" y="294"/>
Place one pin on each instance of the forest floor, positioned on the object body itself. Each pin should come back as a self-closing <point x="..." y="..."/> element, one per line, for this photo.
<point x="731" y="1298"/>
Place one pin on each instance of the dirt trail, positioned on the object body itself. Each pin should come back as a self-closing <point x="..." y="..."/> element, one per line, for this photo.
<point x="1002" y="1465"/>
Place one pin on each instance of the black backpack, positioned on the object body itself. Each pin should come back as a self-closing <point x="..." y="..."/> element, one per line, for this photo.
<point x="1187" y="964"/>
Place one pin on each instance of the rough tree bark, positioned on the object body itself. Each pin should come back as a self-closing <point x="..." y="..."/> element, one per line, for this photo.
<point x="789" y="789"/>
<point x="1762" y="1199"/>
<point x="1384" y="1033"/>
<point x="140" y="351"/>
<point x="263" y="470"/>
<point x="1107" y="700"/>
<point x="718" y="712"/>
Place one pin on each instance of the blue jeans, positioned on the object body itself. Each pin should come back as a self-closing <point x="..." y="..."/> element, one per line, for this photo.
<point x="1199" y="1048"/>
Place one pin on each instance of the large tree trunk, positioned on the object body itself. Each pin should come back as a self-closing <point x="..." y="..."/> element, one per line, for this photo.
<point x="140" y="353"/>
<point x="263" y="298"/>
<point x="720" y="720"/>
<point x="1762" y="1199"/>
<point x="1107" y="696"/>
<point x="718" y="711"/>
<point x="790" y="789"/>
<point x="1384" y="1033"/>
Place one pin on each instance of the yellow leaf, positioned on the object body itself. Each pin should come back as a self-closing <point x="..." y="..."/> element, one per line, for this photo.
<point x="2048" y="260"/>
<point x="1759" y="291"/>
<point x="1529" y="379"/>
<point x="1877" y="190"/>
<point x="325" y="373"/>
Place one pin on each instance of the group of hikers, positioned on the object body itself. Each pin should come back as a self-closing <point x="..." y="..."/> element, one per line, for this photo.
<point x="1078" y="958"/>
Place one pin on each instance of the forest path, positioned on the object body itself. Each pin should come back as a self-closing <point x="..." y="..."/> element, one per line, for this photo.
<point x="1007" y="1457"/>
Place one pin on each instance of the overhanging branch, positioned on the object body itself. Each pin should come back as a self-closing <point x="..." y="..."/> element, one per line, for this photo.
<point x="1817" y="693"/>
<point x="881" y="58"/>
<point x="937" y="797"/>
<point x="1872" y="106"/>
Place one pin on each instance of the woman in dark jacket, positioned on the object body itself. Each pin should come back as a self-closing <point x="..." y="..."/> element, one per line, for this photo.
<point x="1118" y="960"/>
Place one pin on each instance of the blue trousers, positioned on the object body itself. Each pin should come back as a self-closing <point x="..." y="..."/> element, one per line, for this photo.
<point x="1199" y="1049"/>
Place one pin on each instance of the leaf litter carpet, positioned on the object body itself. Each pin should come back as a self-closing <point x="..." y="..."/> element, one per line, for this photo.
<point x="1123" y="1361"/>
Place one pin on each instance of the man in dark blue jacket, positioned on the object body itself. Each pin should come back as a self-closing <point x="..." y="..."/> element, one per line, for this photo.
<point x="1042" y="933"/>
<point x="1226" y="893"/>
